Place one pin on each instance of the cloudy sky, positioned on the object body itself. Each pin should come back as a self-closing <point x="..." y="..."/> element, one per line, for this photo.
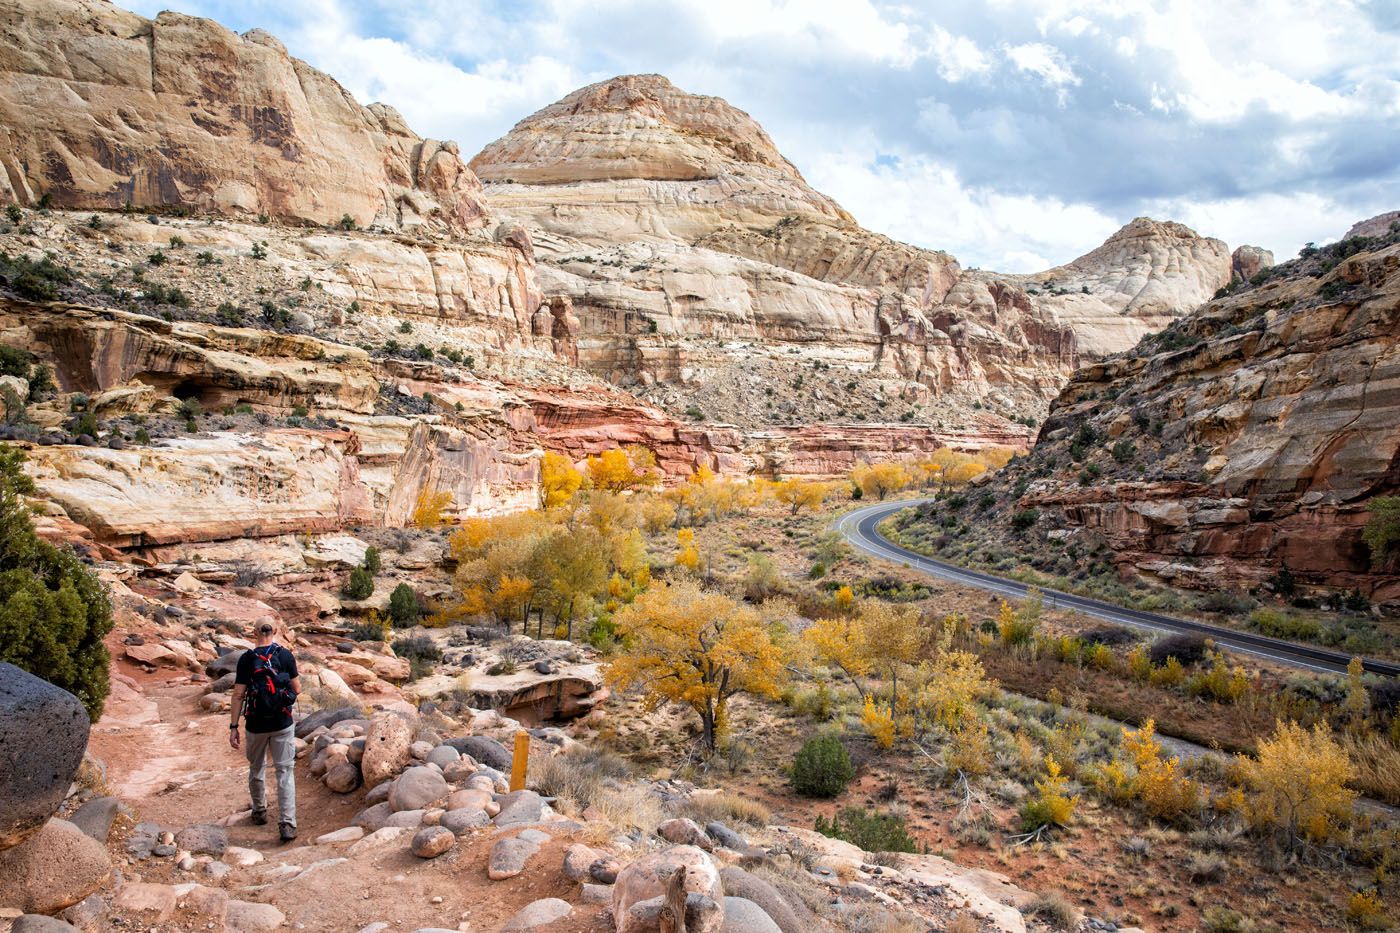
<point x="1016" y="134"/>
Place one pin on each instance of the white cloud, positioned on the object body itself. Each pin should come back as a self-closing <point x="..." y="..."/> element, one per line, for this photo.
<point x="920" y="201"/>
<point x="1046" y="62"/>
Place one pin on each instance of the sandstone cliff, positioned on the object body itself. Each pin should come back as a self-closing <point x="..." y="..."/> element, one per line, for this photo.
<point x="1247" y="438"/>
<point x="103" y="108"/>
<point x="689" y="248"/>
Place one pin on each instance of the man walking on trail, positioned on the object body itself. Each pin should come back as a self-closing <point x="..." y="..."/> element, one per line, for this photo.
<point x="265" y="689"/>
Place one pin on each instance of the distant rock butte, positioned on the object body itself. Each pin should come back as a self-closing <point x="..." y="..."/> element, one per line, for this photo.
<point x="104" y="108"/>
<point x="684" y="239"/>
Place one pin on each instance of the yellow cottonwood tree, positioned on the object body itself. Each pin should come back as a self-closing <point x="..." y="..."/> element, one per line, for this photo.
<point x="681" y="644"/>
<point x="687" y="554"/>
<point x="798" y="495"/>
<point x="621" y="469"/>
<point x="1298" y="783"/>
<point x="881" y="479"/>
<point x="427" y="512"/>
<point x="559" y="481"/>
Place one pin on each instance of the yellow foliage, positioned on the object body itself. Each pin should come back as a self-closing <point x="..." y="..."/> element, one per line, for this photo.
<point x="618" y="470"/>
<point x="683" y="645"/>
<point x="1158" y="781"/>
<point x="687" y="554"/>
<point x="1365" y="910"/>
<point x="658" y="513"/>
<point x="1057" y="806"/>
<point x="839" y="643"/>
<point x="881" y="479"/>
<point x="843" y="598"/>
<point x="878" y="720"/>
<point x="1170" y="674"/>
<point x="1298" y="782"/>
<point x="1357" y="700"/>
<point x="1139" y="664"/>
<point x="799" y="495"/>
<point x="510" y="597"/>
<point x="971" y="749"/>
<point x="427" y="512"/>
<point x="953" y="684"/>
<point x="559" y="481"/>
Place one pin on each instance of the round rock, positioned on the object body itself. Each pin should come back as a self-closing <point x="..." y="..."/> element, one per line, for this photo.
<point x="432" y="841"/>
<point x="43" y="734"/>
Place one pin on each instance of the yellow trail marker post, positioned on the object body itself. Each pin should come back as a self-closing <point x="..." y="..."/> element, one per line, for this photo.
<point x="520" y="761"/>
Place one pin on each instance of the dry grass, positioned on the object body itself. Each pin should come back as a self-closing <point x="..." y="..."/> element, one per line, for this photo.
<point x="872" y="918"/>
<point x="625" y="808"/>
<point x="1377" y="762"/>
<point x="962" y="923"/>
<point x="1055" y="909"/>
<point x="578" y="777"/>
<point x="727" y="808"/>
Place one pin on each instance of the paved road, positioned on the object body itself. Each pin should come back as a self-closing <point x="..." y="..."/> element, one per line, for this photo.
<point x="859" y="527"/>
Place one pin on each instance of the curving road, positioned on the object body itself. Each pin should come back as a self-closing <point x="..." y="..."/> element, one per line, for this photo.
<point x="859" y="527"/>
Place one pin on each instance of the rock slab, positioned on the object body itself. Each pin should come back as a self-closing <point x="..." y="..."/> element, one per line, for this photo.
<point x="43" y="734"/>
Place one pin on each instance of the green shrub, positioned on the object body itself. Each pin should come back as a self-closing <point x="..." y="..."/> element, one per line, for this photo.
<point x="1024" y="519"/>
<point x="36" y="280"/>
<point x="53" y="611"/>
<point x="873" y="832"/>
<point x="359" y="586"/>
<point x="403" y="606"/>
<point x="822" y="767"/>
<point x="1382" y="531"/>
<point x="365" y="631"/>
<point x="422" y="654"/>
<point x="372" y="563"/>
<point x="15" y="362"/>
<point x="1279" y="624"/>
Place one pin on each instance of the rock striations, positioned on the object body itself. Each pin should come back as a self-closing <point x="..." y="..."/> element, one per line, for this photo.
<point x="103" y="109"/>
<point x="1247" y="438"/>
<point x="688" y="245"/>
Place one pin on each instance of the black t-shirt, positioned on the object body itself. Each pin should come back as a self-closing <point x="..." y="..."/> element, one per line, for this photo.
<point x="283" y="662"/>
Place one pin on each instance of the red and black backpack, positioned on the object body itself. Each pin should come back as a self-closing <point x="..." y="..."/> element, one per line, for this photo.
<point x="269" y="693"/>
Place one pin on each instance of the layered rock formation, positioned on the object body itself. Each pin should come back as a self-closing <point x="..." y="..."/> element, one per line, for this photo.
<point x="686" y="244"/>
<point x="103" y="108"/>
<point x="1248" y="438"/>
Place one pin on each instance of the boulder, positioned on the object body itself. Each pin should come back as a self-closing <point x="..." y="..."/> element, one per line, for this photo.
<point x="224" y="664"/>
<point x="578" y="859"/>
<point x="416" y="788"/>
<point x="744" y="916"/>
<point x="251" y="917"/>
<point x="237" y="855"/>
<point x="343" y="778"/>
<point x="702" y="915"/>
<point x="95" y="817"/>
<point x="748" y="886"/>
<point x="725" y="836"/>
<point x="645" y="880"/>
<point x="372" y="818"/>
<point x="151" y="903"/>
<point x="485" y="750"/>
<point x="432" y="841"/>
<point x="442" y="756"/>
<point x="52" y="869"/>
<point x="348" y="834"/>
<point x="457" y="771"/>
<point x="323" y="718"/>
<point x="521" y="806"/>
<point x="38" y="923"/>
<point x="407" y="819"/>
<point x="378" y="840"/>
<point x="538" y="913"/>
<point x="460" y="821"/>
<point x="469" y="800"/>
<point x="203" y="839"/>
<point x="419" y="750"/>
<point x="386" y="748"/>
<point x="508" y="857"/>
<point x="43" y="734"/>
<point x="684" y="832"/>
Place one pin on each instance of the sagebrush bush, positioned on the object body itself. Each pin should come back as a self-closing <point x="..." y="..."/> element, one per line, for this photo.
<point x="54" y="612"/>
<point x="822" y="768"/>
<point x="728" y="808"/>
<point x="1054" y="909"/>
<point x="871" y="831"/>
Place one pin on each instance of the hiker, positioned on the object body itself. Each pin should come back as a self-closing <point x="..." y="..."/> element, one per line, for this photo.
<point x="265" y="689"/>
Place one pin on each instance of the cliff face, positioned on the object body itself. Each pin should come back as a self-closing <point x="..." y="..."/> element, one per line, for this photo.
<point x="689" y="246"/>
<point x="103" y="108"/>
<point x="1244" y="439"/>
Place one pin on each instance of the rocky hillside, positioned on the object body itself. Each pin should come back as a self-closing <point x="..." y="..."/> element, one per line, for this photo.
<point x="704" y="270"/>
<point x="103" y="108"/>
<point x="1247" y="438"/>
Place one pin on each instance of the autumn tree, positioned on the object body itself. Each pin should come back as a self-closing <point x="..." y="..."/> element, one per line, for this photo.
<point x="687" y="554"/>
<point x="1297" y="785"/>
<point x="881" y="479"/>
<point x="427" y="511"/>
<point x="681" y="644"/>
<point x="621" y="469"/>
<point x="798" y="495"/>
<point x="559" y="481"/>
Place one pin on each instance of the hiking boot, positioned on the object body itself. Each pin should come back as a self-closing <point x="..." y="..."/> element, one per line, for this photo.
<point x="258" y="817"/>
<point x="288" y="831"/>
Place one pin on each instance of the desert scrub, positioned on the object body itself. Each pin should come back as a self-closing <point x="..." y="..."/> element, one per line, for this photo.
<point x="727" y="808"/>
<point x="822" y="768"/>
<point x="871" y="831"/>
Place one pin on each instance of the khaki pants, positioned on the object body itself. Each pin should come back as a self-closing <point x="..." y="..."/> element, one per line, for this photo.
<point x="281" y="748"/>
